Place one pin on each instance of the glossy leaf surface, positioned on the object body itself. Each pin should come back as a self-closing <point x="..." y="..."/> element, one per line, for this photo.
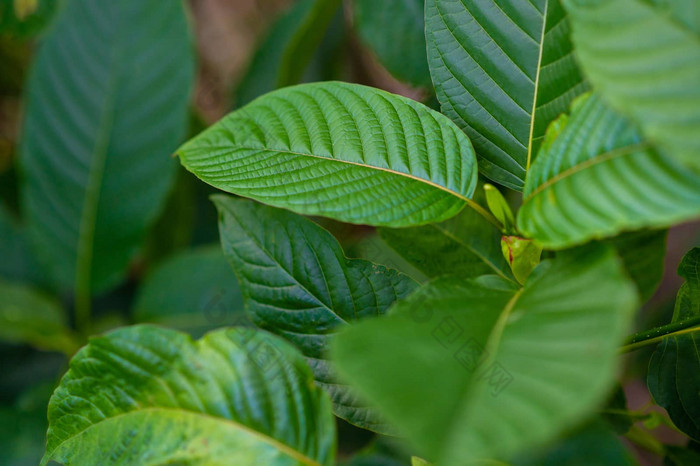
<point x="107" y="105"/>
<point x="503" y="70"/>
<point x="146" y="395"/>
<point x="494" y="369"/>
<point x="595" y="177"/>
<point x="344" y="151"/>
<point x="297" y="283"/>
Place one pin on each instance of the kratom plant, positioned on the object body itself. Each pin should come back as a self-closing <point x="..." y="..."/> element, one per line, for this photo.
<point x="527" y="221"/>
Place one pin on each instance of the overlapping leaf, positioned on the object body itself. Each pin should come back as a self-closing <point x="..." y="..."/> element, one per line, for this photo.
<point x="674" y="369"/>
<point x="644" y="58"/>
<point x="493" y="369"/>
<point x="643" y="253"/>
<point x="194" y="291"/>
<point x="297" y="283"/>
<point x="107" y="104"/>
<point x="395" y="32"/>
<point x="595" y="177"/>
<point x="145" y="395"/>
<point x="345" y="151"/>
<point x="503" y="70"/>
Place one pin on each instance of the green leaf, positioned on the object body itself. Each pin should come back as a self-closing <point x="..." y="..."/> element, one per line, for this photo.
<point x="297" y="283"/>
<point x="195" y="291"/>
<point x="467" y="246"/>
<point x="479" y="369"/>
<point x="643" y="254"/>
<point x="503" y="70"/>
<point x="24" y="19"/>
<point x="395" y="31"/>
<point x="674" y="369"/>
<point x="146" y="395"/>
<point x="598" y="178"/>
<point x="345" y="151"/>
<point x="288" y="50"/>
<point x="107" y="103"/>
<point x="18" y="262"/>
<point x="27" y="316"/>
<point x="652" y="78"/>
<point x="522" y="254"/>
<point x="499" y="208"/>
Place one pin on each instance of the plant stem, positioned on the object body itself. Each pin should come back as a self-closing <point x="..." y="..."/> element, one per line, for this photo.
<point x="645" y="440"/>
<point x="484" y="213"/>
<point x="655" y="335"/>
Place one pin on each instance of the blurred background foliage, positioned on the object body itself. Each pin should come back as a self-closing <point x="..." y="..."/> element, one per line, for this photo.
<point x="179" y="278"/>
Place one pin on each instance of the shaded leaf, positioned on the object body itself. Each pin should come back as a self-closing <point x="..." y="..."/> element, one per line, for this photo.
<point x="149" y="395"/>
<point x="674" y="368"/>
<point x="652" y="78"/>
<point x="345" y="151"/>
<point x="503" y="70"/>
<point x="297" y="283"/>
<point x="493" y="369"/>
<point x="395" y="31"/>
<point x="195" y="291"/>
<point x="107" y="104"/>
<point x="598" y="178"/>
<point x="643" y="253"/>
<point x="18" y="262"/>
<point x="28" y="20"/>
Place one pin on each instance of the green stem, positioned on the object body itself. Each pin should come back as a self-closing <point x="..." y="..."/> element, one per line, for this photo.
<point x="655" y="335"/>
<point x="484" y="213"/>
<point x="645" y="440"/>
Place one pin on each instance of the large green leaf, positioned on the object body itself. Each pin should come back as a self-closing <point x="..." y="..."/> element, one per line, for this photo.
<point x="297" y="283"/>
<point x="644" y="58"/>
<point x="643" y="254"/>
<point x="345" y="151"/>
<point x="503" y="70"/>
<point x="146" y="395"/>
<point x="106" y="107"/>
<point x="595" y="177"/>
<point x="466" y="245"/>
<point x="674" y="369"/>
<point x="194" y="291"/>
<point x="287" y="51"/>
<point x="395" y="31"/>
<point x="27" y="316"/>
<point x="480" y="369"/>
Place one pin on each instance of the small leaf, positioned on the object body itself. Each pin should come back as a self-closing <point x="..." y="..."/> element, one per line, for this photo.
<point x="24" y="19"/>
<point x="107" y="103"/>
<point x="522" y="254"/>
<point x="297" y="283"/>
<point x="494" y="369"/>
<point x="503" y="70"/>
<point x="652" y="78"/>
<point x="673" y="377"/>
<point x="499" y="208"/>
<point x="395" y="31"/>
<point x="146" y="395"/>
<point x="27" y="316"/>
<point x="345" y="151"/>
<point x="195" y="291"/>
<point x="599" y="178"/>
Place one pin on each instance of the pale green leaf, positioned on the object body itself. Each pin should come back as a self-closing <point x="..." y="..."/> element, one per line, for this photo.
<point x="479" y="369"/>
<point x="107" y="105"/>
<point x="503" y="70"/>
<point x="395" y="31"/>
<point x="27" y="316"/>
<point x="146" y="395"/>
<point x="195" y="291"/>
<point x="598" y="178"/>
<point x="674" y="369"/>
<point x="345" y="151"/>
<point x="297" y="283"/>
<point x="644" y="58"/>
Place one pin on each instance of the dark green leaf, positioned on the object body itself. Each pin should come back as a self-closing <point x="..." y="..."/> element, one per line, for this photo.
<point x="297" y="283"/>
<point x="194" y="291"/>
<point x="651" y="77"/>
<point x="674" y="369"/>
<point x="29" y="317"/>
<point x="643" y="253"/>
<point x="345" y="151"/>
<point x="503" y="70"/>
<point x="395" y="31"/>
<point x="596" y="177"/>
<point x="28" y="20"/>
<point x="18" y="262"/>
<point x="107" y="104"/>
<point x="480" y="369"/>
<point x="289" y="48"/>
<point x="146" y="395"/>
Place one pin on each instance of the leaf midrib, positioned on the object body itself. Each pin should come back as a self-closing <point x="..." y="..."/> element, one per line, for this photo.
<point x="284" y="448"/>
<point x="537" y="82"/>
